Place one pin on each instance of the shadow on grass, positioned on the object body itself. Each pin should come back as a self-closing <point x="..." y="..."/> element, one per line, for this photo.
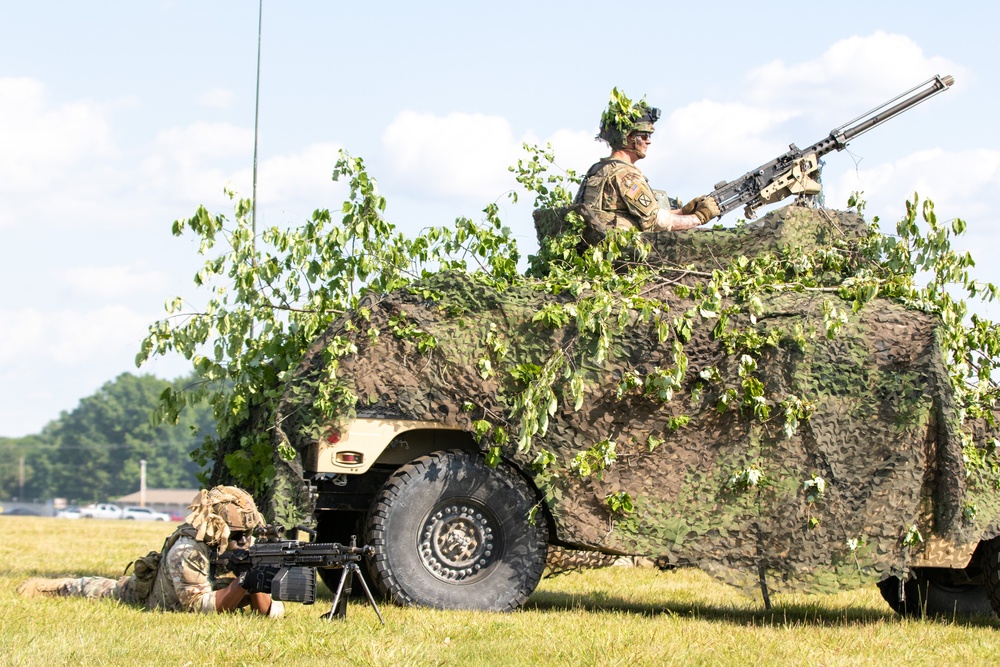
<point x="780" y="615"/>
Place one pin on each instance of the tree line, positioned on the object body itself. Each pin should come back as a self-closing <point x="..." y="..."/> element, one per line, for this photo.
<point x="92" y="453"/>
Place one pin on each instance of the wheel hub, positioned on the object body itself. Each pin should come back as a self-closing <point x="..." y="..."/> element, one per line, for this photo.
<point x="458" y="541"/>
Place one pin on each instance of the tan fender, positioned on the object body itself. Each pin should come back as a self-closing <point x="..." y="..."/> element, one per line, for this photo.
<point x="366" y="441"/>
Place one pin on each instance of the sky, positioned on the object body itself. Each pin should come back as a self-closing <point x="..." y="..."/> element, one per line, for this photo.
<point x="118" y="117"/>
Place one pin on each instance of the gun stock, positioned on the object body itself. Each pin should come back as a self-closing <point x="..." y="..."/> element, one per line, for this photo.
<point x="796" y="172"/>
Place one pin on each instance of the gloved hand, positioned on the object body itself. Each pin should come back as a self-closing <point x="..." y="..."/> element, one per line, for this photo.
<point x="706" y="209"/>
<point x="258" y="579"/>
<point x="689" y="208"/>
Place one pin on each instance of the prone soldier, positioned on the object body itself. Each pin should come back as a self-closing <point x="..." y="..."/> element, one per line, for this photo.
<point x="179" y="577"/>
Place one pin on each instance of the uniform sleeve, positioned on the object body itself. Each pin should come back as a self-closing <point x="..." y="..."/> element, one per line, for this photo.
<point x="187" y="568"/>
<point x="637" y="197"/>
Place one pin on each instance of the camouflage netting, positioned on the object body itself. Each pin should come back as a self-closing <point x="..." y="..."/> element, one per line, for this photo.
<point x="884" y="436"/>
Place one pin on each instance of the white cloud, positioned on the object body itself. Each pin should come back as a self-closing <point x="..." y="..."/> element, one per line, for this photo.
<point x="71" y="338"/>
<point x="192" y="162"/>
<point x="575" y="149"/>
<point x="856" y="71"/>
<point x="112" y="282"/>
<point x="459" y="155"/>
<point x="306" y="174"/>
<point x="43" y="144"/>
<point x="50" y="359"/>
<point x="788" y="102"/>
<point x="466" y="156"/>
<point x="217" y="98"/>
<point x="962" y="181"/>
<point x="712" y="133"/>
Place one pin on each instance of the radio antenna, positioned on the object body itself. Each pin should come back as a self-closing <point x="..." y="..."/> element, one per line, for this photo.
<point x="256" y="116"/>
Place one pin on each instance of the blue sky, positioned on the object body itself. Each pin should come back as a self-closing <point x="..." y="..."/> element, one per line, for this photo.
<point x="118" y="117"/>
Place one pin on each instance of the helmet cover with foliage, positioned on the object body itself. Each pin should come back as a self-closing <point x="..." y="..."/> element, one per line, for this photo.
<point x="221" y="510"/>
<point x="623" y="117"/>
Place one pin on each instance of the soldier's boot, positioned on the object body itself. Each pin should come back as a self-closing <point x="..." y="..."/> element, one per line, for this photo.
<point x="41" y="586"/>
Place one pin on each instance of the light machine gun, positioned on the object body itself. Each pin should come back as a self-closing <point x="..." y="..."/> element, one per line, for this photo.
<point x="792" y="173"/>
<point x="296" y="563"/>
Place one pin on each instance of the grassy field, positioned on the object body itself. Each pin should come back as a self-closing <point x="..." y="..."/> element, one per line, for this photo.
<point x="615" y="616"/>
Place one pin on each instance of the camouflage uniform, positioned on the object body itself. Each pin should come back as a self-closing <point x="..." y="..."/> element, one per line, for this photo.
<point x="183" y="581"/>
<point x="619" y="195"/>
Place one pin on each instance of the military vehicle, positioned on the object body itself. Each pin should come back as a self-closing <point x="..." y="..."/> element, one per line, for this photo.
<point x="770" y="451"/>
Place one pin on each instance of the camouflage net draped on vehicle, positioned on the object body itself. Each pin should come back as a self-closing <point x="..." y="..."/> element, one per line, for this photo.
<point x="857" y="492"/>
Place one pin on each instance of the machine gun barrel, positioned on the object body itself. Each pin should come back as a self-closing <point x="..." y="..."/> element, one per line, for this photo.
<point x="292" y="553"/>
<point x="789" y="173"/>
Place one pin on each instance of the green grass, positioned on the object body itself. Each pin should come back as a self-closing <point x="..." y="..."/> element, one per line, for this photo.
<point x="616" y="616"/>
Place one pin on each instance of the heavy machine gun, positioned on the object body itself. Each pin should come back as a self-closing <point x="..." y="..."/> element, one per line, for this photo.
<point x="296" y="563"/>
<point x="793" y="172"/>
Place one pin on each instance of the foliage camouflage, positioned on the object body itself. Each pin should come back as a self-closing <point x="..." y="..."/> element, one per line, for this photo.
<point x="875" y="466"/>
<point x="789" y="380"/>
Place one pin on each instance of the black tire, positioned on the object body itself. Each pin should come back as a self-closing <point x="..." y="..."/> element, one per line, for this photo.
<point x="453" y="533"/>
<point x="991" y="571"/>
<point x="930" y="592"/>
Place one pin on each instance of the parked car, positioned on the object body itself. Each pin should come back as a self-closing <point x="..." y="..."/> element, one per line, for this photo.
<point x="71" y="512"/>
<point x="101" y="511"/>
<point x="21" y="511"/>
<point x="144" y="514"/>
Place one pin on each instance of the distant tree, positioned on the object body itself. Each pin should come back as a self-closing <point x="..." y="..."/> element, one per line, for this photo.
<point x="94" y="451"/>
<point x="100" y="444"/>
<point x="37" y="453"/>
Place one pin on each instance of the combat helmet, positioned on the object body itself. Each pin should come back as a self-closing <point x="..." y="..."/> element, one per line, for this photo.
<point x="623" y="117"/>
<point x="221" y="510"/>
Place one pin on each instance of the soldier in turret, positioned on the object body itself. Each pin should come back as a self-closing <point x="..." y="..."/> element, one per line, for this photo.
<point x="614" y="188"/>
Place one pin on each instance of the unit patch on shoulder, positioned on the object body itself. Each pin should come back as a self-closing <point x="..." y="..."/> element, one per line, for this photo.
<point x="644" y="201"/>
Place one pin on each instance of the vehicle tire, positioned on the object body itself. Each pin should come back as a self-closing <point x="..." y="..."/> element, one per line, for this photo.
<point x="991" y="571"/>
<point x="451" y="532"/>
<point x="929" y="592"/>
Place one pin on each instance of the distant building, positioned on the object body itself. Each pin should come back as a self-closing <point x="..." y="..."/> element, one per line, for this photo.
<point x="173" y="501"/>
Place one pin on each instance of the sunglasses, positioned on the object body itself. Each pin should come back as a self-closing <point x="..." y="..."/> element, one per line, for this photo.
<point x="643" y="136"/>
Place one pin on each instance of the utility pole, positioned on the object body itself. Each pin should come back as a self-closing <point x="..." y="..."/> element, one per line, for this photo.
<point x="142" y="483"/>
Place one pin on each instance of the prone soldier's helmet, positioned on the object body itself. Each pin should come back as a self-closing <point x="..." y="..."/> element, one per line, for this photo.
<point x="622" y="117"/>
<point x="221" y="510"/>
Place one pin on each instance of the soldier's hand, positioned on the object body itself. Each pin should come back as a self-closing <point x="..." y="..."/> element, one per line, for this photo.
<point x="706" y="209"/>
<point x="690" y="207"/>
<point x="258" y="579"/>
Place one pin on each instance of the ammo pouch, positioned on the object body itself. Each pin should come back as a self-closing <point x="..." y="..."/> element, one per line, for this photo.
<point x="144" y="574"/>
<point x="144" y="569"/>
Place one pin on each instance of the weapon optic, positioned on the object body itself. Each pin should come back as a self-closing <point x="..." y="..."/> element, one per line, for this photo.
<point x="792" y="173"/>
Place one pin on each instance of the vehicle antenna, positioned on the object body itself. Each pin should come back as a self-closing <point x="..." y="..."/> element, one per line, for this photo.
<point x="256" y="115"/>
